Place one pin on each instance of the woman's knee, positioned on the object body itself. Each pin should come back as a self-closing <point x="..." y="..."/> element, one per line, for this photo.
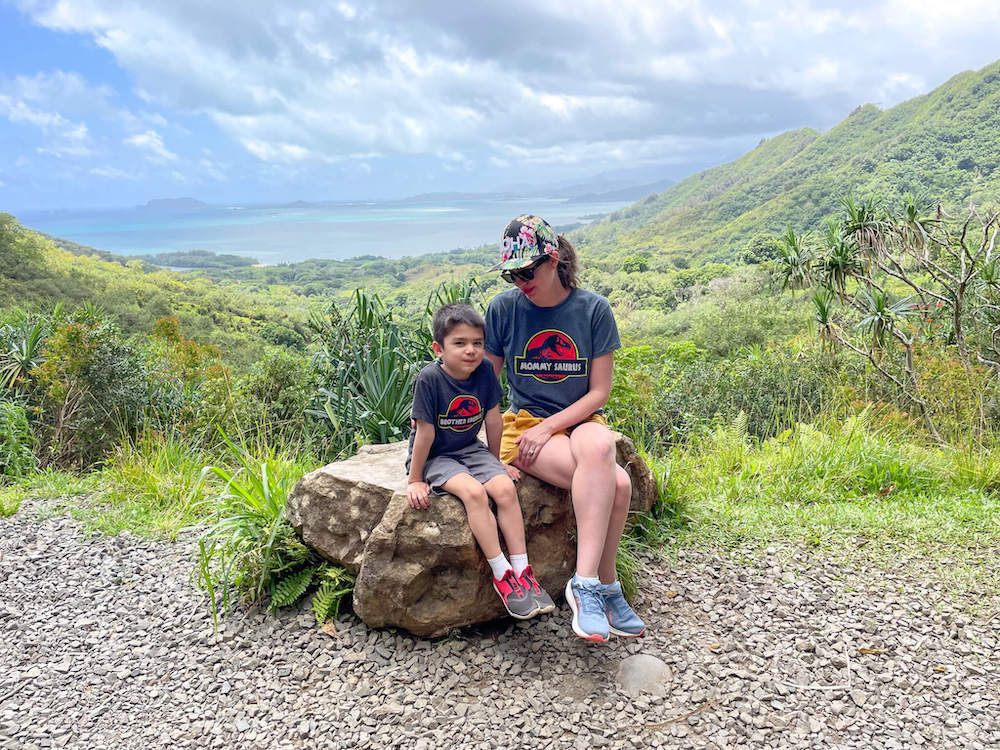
<point x="623" y="487"/>
<point x="594" y="447"/>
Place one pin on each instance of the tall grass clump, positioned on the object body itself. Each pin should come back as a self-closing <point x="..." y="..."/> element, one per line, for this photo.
<point x="17" y="442"/>
<point x="837" y="480"/>
<point x="153" y="485"/>
<point x="251" y="552"/>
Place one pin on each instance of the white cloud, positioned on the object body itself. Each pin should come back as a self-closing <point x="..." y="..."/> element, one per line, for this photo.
<point x="151" y="142"/>
<point x="566" y="82"/>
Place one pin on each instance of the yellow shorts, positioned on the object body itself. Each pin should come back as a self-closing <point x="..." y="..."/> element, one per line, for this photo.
<point x="515" y="424"/>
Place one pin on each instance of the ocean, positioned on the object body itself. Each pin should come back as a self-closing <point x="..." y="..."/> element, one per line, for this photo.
<point x="290" y="234"/>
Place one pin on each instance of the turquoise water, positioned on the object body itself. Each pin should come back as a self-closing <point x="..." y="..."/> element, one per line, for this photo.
<point x="285" y="235"/>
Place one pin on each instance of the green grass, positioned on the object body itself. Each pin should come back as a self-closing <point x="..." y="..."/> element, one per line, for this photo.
<point x="154" y="487"/>
<point x="842" y="488"/>
<point x="10" y="500"/>
<point x="61" y="490"/>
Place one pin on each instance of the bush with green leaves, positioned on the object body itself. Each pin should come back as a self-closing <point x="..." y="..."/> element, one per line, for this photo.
<point x="91" y="389"/>
<point x="17" y="456"/>
<point x="270" y="401"/>
<point x="660" y="396"/>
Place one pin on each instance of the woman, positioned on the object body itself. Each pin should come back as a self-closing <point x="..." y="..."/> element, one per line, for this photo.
<point x="557" y="343"/>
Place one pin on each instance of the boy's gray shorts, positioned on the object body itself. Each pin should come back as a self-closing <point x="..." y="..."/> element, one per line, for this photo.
<point x="474" y="459"/>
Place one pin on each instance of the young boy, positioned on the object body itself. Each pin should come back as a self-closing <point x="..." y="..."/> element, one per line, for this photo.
<point x="451" y="399"/>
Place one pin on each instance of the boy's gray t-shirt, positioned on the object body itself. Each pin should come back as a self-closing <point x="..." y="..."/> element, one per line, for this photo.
<point x="456" y="408"/>
<point x="548" y="350"/>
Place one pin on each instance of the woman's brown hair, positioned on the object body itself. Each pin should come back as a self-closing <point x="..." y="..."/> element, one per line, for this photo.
<point x="568" y="267"/>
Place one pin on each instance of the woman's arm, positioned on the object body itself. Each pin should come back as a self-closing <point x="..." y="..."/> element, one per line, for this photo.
<point x="497" y="361"/>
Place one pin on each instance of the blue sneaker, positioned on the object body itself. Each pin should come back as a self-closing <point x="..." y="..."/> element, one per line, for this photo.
<point x="622" y="620"/>
<point x="590" y="619"/>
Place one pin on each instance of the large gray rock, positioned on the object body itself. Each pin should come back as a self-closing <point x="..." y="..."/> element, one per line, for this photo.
<point x="421" y="569"/>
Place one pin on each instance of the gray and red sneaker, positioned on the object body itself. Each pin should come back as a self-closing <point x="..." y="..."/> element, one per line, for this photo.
<point x="517" y="600"/>
<point x="543" y="601"/>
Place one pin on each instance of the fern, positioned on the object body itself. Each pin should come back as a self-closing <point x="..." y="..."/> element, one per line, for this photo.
<point x="336" y="584"/>
<point x="291" y="587"/>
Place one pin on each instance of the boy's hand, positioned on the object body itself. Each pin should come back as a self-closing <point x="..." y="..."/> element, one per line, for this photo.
<point x="513" y="472"/>
<point x="416" y="494"/>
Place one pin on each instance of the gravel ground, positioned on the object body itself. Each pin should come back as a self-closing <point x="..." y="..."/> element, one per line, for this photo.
<point x="105" y="643"/>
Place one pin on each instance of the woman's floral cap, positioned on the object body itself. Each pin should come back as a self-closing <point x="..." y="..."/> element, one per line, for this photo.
<point x="525" y="239"/>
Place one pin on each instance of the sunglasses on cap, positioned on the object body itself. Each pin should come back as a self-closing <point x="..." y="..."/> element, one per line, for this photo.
<point x="523" y="274"/>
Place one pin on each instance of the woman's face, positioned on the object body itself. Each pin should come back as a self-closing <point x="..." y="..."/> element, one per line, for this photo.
<point x="546" y="278"/>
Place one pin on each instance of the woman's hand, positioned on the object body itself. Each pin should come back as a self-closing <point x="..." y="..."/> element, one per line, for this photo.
<point x="513" y="472"/>
<point x="530" y="442"/>
<point x="416" y="494"/>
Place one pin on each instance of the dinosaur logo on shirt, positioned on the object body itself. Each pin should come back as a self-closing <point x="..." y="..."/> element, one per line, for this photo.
<point x="464" y="413"/>
<point x="551" y="356"/>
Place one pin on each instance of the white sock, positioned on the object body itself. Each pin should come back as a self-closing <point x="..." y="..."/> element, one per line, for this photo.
<point x="519" y="563"/>
<point x="499" y="566"/>
<point x="588" y="581"/>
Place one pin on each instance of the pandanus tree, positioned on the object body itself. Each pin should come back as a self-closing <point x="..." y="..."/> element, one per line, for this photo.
<point x="866" y="224"/>
<point x="794" y="264"/>
<point x="21" y="350"/>
<point x="879" y="270"/>
<point x="840" y="261"/>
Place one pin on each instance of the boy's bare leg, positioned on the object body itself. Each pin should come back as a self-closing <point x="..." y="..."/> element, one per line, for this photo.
<point x="501" y="488"/>
<point x="477" y="507"/>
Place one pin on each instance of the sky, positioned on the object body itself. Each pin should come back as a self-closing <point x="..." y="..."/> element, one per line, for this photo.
<point x="107" y="103"/>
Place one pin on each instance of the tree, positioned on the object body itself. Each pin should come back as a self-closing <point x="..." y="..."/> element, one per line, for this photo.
<point x="636" y="263"/>
<point x="760" y="248"/>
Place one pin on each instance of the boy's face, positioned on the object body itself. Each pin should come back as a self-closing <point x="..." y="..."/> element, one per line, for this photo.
<point x="462" y="351"/>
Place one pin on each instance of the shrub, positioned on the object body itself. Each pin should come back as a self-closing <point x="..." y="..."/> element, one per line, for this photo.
<point x="92" y="386"/>
<point x="661" y="396"/>
<point x="192" y="389"/>
<point x="271" y="401"/>
<point x="367" y="365"/>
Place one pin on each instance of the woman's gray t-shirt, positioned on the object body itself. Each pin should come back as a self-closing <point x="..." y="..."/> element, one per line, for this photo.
<point x="548" y="350"/>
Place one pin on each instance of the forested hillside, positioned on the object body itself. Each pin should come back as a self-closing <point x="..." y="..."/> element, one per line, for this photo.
<point x="943" y="145"/>
<point x="37" y="273"/>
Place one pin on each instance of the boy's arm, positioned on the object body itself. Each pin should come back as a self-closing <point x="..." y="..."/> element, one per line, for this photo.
<point x="417" y="489"/>
<point x="494" y="432"/>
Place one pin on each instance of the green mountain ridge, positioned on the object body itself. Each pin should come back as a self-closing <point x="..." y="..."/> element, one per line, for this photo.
<point x="943" y="145"/>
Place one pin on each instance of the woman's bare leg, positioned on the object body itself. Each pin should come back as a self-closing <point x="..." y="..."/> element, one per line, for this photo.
<point x="616" y="525"/>
<point x="585" y="464"/>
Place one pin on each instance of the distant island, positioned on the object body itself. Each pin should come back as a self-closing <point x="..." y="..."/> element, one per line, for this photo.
<point x="196" y="259"/>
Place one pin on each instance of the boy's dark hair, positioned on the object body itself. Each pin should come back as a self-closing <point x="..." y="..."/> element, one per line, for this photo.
<point x="449" y="316"/>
